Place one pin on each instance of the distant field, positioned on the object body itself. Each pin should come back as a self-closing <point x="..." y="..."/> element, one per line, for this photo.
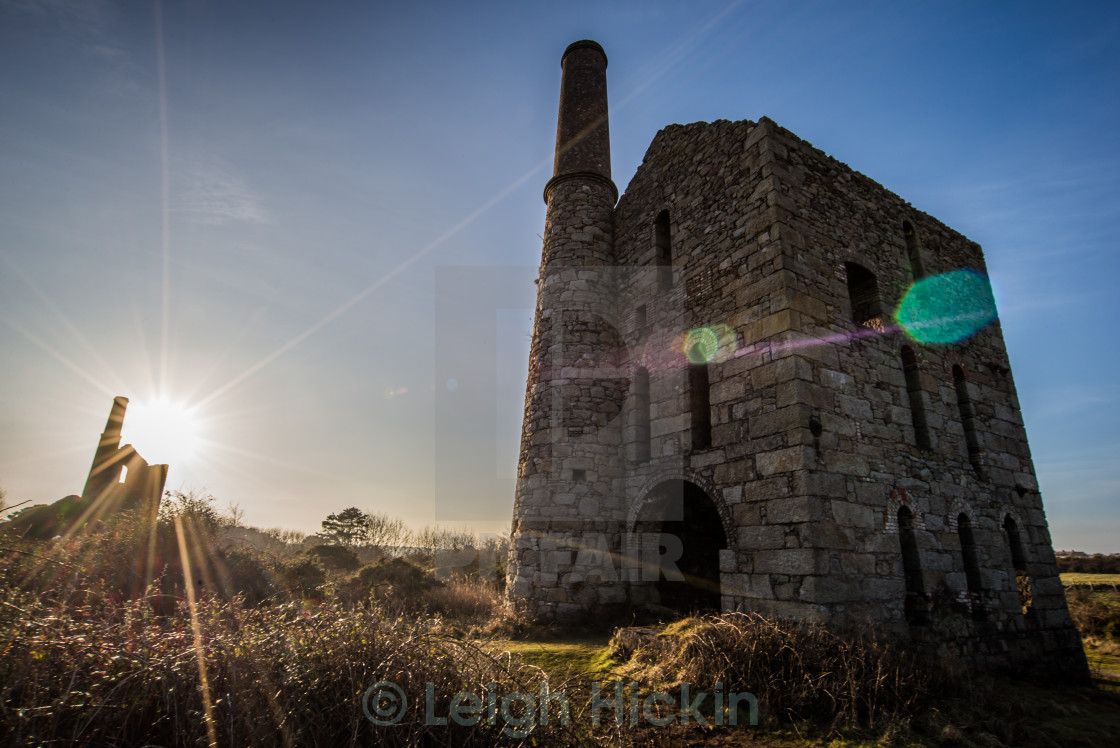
<point x="1077" y="578"/>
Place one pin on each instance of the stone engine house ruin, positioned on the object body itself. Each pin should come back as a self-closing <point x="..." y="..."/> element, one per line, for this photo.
<point x="721" y="412"/>
<point x="119" y="478"/>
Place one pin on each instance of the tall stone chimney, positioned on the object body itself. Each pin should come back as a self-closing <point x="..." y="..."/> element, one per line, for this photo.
<point x="103" y="471"/>
<point x="582" y="129"/>
<point x="112" y="433"/>
<point x="571" y="466"/>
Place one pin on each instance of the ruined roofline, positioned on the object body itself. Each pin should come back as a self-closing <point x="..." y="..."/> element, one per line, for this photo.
<point x="669" y="135"/>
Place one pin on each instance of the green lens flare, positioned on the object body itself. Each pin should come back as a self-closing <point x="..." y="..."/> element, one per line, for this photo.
<point x="701" y="345"/>
<point x="947" y="308"/>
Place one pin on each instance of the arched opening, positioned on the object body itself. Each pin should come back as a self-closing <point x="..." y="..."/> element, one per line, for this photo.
<point x="640" y="434"/>
<point x="971" y="566"/>
<point x="679" y="536"/>
<point x="663" y="251"/>
<point x="1019" y="564"/>
<point x="863" y="292"/>
<point x="916" y="607"/>
<point x="913" y="250"/>
<point x="914" y="392"/>
<point x="968" y="420"/>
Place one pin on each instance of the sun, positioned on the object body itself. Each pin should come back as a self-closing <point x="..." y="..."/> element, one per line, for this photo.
<point x="163" y="431"/>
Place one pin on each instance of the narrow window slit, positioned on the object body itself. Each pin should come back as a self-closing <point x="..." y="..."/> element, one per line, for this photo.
<point x="968" y="421"/>
<point x="916" y="608"/>
<point x="914" y="391"/>
<point x="663" y="251"/>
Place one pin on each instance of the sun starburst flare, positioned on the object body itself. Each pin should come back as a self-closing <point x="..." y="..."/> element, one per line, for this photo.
<point x="164" y="430"/>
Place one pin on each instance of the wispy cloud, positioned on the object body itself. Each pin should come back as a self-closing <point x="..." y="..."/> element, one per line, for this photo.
<point x="88" y="25"/>
<point x="210" y="192"/>
<point x="84" y="18"/>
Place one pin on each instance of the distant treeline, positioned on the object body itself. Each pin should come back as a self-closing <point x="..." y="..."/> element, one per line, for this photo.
<point x="1098" y="563"/>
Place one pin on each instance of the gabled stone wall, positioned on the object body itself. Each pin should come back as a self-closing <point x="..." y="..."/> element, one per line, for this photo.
<point x="813" y="459"/>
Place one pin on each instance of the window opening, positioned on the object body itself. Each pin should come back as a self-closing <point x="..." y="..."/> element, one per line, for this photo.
<point x="917" y="612"/>
<point x="968" y="420"/>
<point x="971" y="566"/>
<point x="1019" y="564"/>
<point x="863" y="291"/>
<point x="663" y="251"/>
<point x="914" y="391"/>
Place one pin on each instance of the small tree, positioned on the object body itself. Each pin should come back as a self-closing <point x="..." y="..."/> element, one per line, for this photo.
<point x="195" y="509"/>
<point x="350" y="527"/>
<point x="386" y="531"/>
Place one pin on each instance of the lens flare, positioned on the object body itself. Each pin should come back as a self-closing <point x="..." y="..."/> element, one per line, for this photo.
<point x="703" y="345"/>
<point x="947" y="308"/>
<point x="163" y="431"/>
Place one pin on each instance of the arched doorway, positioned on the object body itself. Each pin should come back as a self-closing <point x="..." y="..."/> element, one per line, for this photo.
<point x="680" y="533"/>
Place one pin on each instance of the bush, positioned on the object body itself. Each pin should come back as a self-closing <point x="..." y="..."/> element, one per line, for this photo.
<point x="300" y="576"/>
<point x="393" y="581"/>
<point x="246" y="572"/>
<point x="123" y="555"/>
<point x="335" y="557"/>
<point x="1098" y="563"/>
<point x="1096" y="613"/>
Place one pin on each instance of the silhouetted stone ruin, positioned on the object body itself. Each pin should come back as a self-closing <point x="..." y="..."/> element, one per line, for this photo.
<point x="119" y="480"/>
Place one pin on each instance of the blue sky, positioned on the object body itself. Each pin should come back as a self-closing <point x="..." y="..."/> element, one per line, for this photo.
<point x="256" y="226"/>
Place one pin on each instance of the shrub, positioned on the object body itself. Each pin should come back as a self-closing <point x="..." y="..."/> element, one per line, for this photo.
<point x="1098" y="563"/>
<point x="391" y="581"/>
<point x="246" y="572"/>
<point x="1096" y="613"/>
<point x="335" y="557"/>
<point x="123" y="555"/>
<point x="300" y="576"/>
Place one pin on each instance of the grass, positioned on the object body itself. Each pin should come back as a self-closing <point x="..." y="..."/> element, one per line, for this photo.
<point x="293" y="674"/>
<point x="1071" y="578"/>
<point x="1103" y="657"/>
<point x="1036" y="715"/>
<point x="577" y="656"/>
<point x="103" y="642"/>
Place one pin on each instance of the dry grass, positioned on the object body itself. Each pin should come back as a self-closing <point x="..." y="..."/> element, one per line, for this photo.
<point x="1071" y="578"/>
<point x="104" y="640"/>
<point x="287" y="674"/>
<point x="798" y="671"/>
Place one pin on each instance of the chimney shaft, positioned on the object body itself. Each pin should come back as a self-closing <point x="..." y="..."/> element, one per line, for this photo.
<point x="112" y="433"/>
<point x="582" y="131"/>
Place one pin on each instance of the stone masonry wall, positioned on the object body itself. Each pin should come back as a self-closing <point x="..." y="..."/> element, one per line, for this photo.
<point x="713" y="179"/>
<point x="869" y="460"/>
<point x="836" y="501"/>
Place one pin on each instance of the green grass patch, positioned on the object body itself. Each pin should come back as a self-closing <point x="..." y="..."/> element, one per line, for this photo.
<point x="563" y="658"/>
